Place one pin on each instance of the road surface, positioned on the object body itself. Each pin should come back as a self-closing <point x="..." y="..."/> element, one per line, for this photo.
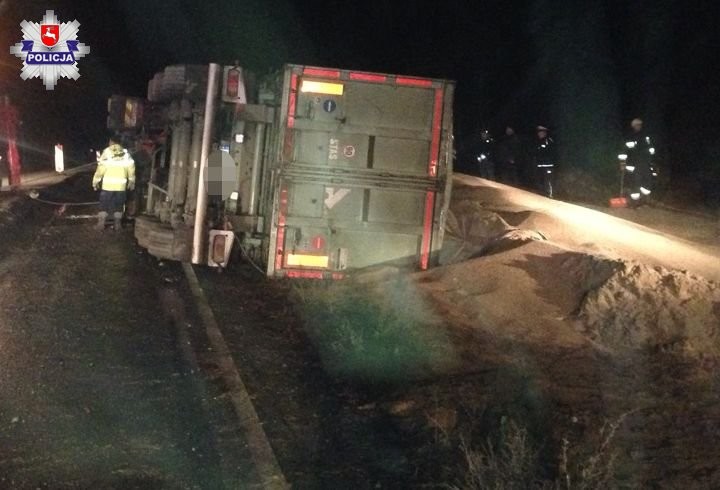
<point x="93" y="390"/>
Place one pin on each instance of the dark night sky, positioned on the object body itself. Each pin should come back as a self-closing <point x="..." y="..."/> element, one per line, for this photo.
<point x="584" y="68"/>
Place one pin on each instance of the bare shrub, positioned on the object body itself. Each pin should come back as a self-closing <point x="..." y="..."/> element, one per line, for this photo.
<point x="508" y="465"/>
<point x="513" y="462"/>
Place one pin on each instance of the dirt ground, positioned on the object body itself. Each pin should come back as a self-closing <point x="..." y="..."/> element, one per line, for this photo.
<point x="541" y="315"/>
<point x="557" y="318"/>
<point x="560" y="318"/>
<point x="320" y="428"/>
<point x="600" y="316"/>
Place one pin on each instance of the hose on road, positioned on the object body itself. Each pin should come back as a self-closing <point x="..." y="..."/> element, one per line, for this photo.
<point x="35" y="195"/>
<point x="247" y="256"/>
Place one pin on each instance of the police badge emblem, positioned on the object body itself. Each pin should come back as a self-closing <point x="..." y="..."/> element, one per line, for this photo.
<point x="50" y="34"/>
<point x="50" y="50"/>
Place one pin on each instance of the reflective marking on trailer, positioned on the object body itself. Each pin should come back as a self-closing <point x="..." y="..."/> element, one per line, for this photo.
<point x="305" y="274"/>
<point x="304" y="260"/>
<point x="368" y="77"/>
<point x="292" y="102"/>
<point x="427" y="230"/>
<point x="334" y="196"/>
<point x="280" y="245"/>
<point x="321" y="72"/>
<point x="414" y="82"/>
<point x="326" y="88"/>
<point x="436" y="130"/>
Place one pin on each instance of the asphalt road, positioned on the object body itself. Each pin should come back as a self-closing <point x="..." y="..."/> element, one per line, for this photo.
<point x="93" y="391"/>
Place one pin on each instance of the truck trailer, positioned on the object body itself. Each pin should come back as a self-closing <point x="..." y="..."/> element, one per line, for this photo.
<point x="311" y="172"/>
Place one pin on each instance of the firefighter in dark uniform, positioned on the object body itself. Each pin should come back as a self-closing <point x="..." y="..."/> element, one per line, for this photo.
<point x="484" y="154"/>
<point x="141" y="154"/>
<point x="508" y="158"/>
<point x="636" y="161"/>
<point x="544" y="162"/>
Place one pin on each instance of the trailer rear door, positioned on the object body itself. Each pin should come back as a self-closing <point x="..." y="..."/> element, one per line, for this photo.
<point x="362" y="174"/>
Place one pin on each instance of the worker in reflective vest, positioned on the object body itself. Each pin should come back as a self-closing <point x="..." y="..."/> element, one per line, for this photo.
<point x="115" y="175"/>
<point x="636" y="160"/>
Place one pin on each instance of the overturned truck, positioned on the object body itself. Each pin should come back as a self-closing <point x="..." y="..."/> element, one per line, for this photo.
<point x="312" y="172"/>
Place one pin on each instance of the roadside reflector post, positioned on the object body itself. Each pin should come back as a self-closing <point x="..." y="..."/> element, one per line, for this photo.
<point x="59" y="159"/>
<point x="208" y="127"/>
<point x="9" y="122"/>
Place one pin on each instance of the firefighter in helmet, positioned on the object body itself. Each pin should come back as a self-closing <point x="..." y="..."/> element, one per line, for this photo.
<point x="544" y="162"/>
<point x="508" y="158"/>
<point x="484" y="153"/>
<point x="115" y="175"/>
<point x="636" y="161"/>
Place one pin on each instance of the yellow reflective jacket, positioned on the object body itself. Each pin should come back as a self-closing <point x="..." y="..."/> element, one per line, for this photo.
<point x="116" y="169"/>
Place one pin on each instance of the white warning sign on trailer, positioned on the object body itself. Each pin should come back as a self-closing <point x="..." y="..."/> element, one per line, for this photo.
<point x="334" y="196"/>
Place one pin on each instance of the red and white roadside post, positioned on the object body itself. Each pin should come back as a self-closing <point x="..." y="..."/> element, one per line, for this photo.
<point x="59" y="159"/>
<point x="9" y="120"/>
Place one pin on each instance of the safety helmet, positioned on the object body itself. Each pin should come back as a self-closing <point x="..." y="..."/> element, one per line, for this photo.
<point x="636" y="122"/>
<point x="117" y="151"/>
<point x="541" y="128"/>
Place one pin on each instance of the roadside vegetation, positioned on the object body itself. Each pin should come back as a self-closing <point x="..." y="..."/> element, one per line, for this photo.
<point x="364" y="336"/>
<point x="395" y="339"/>
<point x="513" y="462"/>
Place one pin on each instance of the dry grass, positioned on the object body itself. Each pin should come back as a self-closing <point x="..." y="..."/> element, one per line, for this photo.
<point x="510" y="464"/>
<point x="513" y="462"/>
<point x="360" y="334"/>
